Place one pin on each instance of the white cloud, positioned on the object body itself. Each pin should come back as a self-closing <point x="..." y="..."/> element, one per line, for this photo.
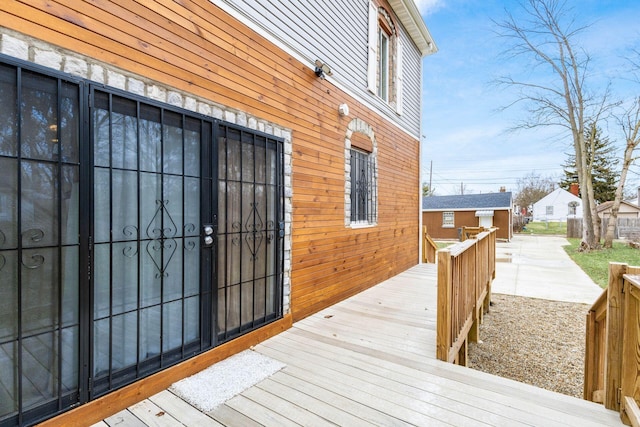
<point x="427" y="7"/>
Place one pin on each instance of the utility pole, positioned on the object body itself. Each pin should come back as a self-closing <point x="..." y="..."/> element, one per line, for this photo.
<point x="431" y="175"/>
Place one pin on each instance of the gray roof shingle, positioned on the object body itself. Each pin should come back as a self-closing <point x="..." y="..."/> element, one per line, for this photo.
<point x="500" y="200"/>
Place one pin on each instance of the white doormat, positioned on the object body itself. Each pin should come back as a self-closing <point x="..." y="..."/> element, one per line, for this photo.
<point x="223" y="380"/>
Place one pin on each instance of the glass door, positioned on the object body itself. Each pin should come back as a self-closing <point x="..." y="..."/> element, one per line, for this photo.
<point x="152" y="230"/>
<point x="40" y="252"/>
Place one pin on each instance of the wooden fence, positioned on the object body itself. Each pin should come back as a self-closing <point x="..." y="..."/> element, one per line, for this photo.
<point x="612" y="355"/>
<point x="429" y="247"/>
<point x="465" y="273"/>
<point x="626" y="228"/>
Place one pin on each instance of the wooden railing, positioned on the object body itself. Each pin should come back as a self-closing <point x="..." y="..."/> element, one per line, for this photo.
<point x="465" y="273"/>
<point x="429" y="247"/>
<point x="612" y="354"/>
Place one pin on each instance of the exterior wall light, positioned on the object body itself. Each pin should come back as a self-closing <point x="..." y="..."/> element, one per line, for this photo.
<point x="322" y="69"/>
<point x="343" y="109"/>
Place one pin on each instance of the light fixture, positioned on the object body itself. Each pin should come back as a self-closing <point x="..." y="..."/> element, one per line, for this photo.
<point x="343" y="109"/>
<point x="322" y="69"/>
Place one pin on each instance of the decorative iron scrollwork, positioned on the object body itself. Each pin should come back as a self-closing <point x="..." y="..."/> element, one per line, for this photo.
<point x="130" y="250"/>
<point x="164" y="232"/>
<point x="130" y="231"/>
<point x="163" y="240"/>
<point x="35" y="235"/>
<point x="37" y="262"/>
<point x="255" y="229"/>
<point x="156" y="250"/>
<point x="189" y="244"/>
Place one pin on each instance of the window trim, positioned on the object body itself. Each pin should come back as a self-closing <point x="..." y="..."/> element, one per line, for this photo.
<point x="371" y="220"/>
<point x="448" y="222"/>
<point x="381" y="23"/>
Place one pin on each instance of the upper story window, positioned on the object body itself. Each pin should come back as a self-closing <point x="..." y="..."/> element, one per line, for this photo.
<point x="383" y="64"/>
<point x="385" y="57"/>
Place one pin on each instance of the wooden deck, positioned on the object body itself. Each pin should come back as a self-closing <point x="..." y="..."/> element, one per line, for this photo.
<point x="370" y="360"/>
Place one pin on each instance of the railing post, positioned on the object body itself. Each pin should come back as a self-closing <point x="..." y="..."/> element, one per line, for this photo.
<point x="443" y="329"/>
<point x="613" y="360"/>
<point x="630" y="388"/>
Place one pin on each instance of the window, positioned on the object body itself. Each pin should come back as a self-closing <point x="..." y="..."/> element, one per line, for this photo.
<point x="383" y="64"/>
<point x="385" y="57"/>
<point x="573" y="208"/>
<point x="360" y="175"/>
<point x="448" y="220"/>
<point x="549" y="210"/>
<point x="363" y="187"/>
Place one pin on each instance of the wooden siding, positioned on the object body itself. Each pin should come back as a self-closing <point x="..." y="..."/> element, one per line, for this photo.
<point x="195" y="47"/>
<point x="335" y="31"/>
<point x="433" y="222"/>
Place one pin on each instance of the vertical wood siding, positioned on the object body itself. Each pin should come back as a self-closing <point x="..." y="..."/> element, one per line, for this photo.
<point x="335" y="31"/>
<point x="195" y="47"/>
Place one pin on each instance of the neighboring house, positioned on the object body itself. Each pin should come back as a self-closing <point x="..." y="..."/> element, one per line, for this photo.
<point x="557" y="206"/>
<point x="627" y="210"/>
<point x="445" y="215"/>
<point x="180" y="180"/>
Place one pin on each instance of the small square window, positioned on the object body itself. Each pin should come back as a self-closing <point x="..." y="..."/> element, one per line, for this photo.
<point x="448" y="220"/>
<point x="549" y="210"/>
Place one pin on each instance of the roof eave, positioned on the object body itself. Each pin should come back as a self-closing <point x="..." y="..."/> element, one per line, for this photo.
<point x="409" y="15"/>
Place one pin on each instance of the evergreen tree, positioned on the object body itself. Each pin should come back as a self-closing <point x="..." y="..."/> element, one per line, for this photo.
<point x="602" y="163"/>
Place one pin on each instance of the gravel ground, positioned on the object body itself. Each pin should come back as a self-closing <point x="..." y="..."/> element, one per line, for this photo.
<point x="534" y="341"/>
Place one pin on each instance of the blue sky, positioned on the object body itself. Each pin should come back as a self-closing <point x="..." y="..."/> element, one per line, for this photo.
<point x="465" y="133"/>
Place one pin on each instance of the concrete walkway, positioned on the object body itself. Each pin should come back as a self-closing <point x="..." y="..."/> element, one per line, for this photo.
<point x="538" y="267"/>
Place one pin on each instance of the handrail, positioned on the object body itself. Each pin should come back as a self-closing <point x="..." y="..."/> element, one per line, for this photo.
<point x="612" y="360"/>
<point x="465" y="273"/>
<point x="630" y="387"/>
<point x="429" y="247"/>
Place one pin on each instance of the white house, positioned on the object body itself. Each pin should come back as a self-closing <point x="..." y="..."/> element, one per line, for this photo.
<point x="557" y="206"/>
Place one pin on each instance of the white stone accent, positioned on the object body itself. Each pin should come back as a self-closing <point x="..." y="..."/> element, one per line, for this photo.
<point x="97" y="73"/>
<point x="47" y="58"/>
<point x="76" y="66"/>
<point x="241" y="119"/>
<point x="14" y="47"/>
<point x="252" y="123"/>
<point x="135" y="86"/>
<point x="174" y="98"/>
<point x="204" y="108"/>
<point x="116" y="79"/>
<point x="190" y="103"/>
<point x="157" y="92"/>
<point x="230" y="116"/>
<point x="217" y="112"/>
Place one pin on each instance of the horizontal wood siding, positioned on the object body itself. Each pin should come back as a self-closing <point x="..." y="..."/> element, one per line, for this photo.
<point x="335" y="31"/>
<point x="195" y="47"/>
<point x="433" y="222"/>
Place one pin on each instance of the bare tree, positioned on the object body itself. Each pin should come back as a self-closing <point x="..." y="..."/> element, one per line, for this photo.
<point x="532" y="188"/>
<point x="546" y="34"/>
<point x="630" y="124"/>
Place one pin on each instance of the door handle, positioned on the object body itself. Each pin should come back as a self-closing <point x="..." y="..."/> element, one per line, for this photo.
<point x="208" y="230"/>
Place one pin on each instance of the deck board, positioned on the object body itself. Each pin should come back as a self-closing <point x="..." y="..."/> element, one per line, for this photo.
<point x="371" y="360"/>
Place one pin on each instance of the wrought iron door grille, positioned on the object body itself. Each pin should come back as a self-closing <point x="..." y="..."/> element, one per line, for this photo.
<point x="250" y="212"/>
<point x="133" y="235"/>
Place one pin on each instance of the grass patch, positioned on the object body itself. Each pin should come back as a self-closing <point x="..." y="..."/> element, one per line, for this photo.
<point x="596" y="263"/>
<point x="543" y="227"/>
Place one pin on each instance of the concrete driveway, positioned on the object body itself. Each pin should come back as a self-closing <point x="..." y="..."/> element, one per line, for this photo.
<point x="538" y="267"/>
